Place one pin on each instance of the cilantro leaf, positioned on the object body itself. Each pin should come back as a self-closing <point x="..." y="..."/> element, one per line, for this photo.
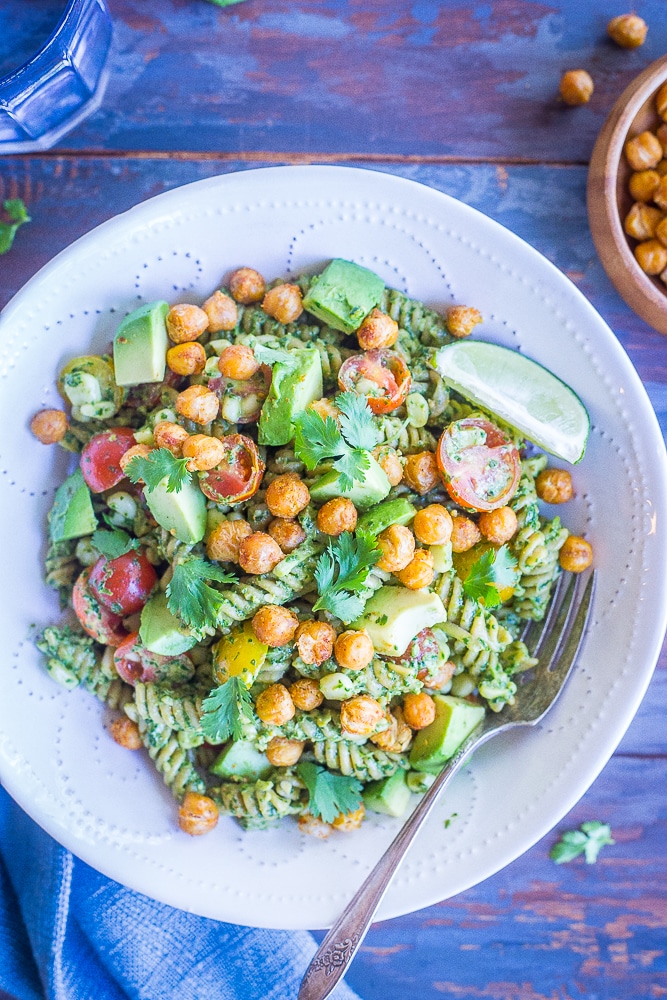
<point x="16" y="211"/>
<point x="271" y="356"/>
<point x="357" y="424"/>
<point x="317" y="438"/>
<point x="342" y="571"/>
<point x="494" y="571"/>
<point x="329" y="794"/>
<point x="154" y="467"/>
<point x="227" y="712"/>
<point x="115" y="543"/>
<point x="351" y="467"/>
<point x="189" y="595"/>
<point x="587" y="840"/>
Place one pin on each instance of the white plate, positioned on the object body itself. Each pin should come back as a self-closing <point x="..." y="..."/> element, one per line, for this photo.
<point x="105" y="803"/>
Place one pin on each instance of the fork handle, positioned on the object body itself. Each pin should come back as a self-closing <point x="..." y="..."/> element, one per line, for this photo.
<point x="341" y="943"/>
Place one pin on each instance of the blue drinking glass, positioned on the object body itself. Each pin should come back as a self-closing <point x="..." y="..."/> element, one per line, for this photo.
<point x="61" y="84"/>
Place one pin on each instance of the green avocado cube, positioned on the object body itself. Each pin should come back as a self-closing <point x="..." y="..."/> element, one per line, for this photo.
<point x="293" y="388"/>
<point x="181" y="512"/>
<point x="455" y="719"/>
<point x="241" y="760"/>
<point x="343" y="295"/>
<point x="363" y="493"/>
<point x="399" y="511"/>
<point x="393" y="616"/>
<point x="390" y="796"/>
<point x="140" y="345"/>
<point x="72" y="514"/>
<point x="161" y="631"/>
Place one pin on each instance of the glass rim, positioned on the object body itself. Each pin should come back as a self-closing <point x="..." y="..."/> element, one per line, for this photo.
<point x="43" y="49"/>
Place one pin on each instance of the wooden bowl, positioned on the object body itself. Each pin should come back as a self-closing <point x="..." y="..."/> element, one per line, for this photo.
<point x="609" y="200"/>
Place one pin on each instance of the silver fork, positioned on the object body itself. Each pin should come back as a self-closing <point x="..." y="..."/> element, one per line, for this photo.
<point x="556" y="641"/>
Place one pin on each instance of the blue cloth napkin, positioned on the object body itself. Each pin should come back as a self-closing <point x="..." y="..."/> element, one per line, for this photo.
<point x="69" y="933"/>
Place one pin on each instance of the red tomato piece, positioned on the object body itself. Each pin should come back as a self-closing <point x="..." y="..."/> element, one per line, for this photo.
<point x="238" y="476"/>
<point x="381" y="376"/>
<point x="100" y="458"/>
<point x="480" y="465"/>
<point x="123" y="584"/>
<point x="136" y="663"/>
<point x="251" y="391"/>
<point x="97" y="620"/>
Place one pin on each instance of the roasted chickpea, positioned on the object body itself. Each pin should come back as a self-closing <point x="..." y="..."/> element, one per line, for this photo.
<point x="643" y="184"/>
<point x="627" y="30"/>
<point x="389" y="462"/>
<point x="377" y="330"/>
<point x="136" y="451"/>
<point x="259" y="553"/>
<point x="126" y="733"/>
<point x="170" y="436"/>
<point x="306" y="694"/>
<point x="186" y="322"/>
<point x="465" y="533"/>
<point x="361" y="715"/>
<point x="651" y="256"/>
<point x="315" y="641"/>
<point x="198" y="403"/>
<point x="498" y="525"/>
<point x="198" y="814"/>
<point x="238" y="362"/>
<point x="203" y="451"/>
<point x="418" y="710"/>
<point x="247" y="285"/>
<point x="419" y="572"/>
<point x="348" y="822"/>
<point x="289" y="534"/>
<point x="397" y="544"/>
<point x="576" y="87"/>
<point x="661" y="136"/>
<point x="576" y="554"/>
<point x="661" y="103"/>
<point x="283" y="303"/>
<point x="49" y="426"/>
<point x="397" y="737"/>
<point x="641" y="221"/>
<point x="221" y="311"/>
<point x="274" y="705"/>
<point x="643" y="151"/>
<point x="325" y="408"/>
<point x="186" y="359"/>
<point x="314" y="826"/>
<point x="554" y="486"/>
<point x="275" y="625"/>
<point x="283" y="752"/>
<point x="336" y="516"/>
<point x="440" y="679"/>
<point x="225" y="540"/>
<point x="353" y="650"/>
<point x="287" y="495"/>
<point x="433" y="525"/>
<point x="661" y="231"/>
<point x="660" y="194"/>
<point x="421" y="472"/>
<point x="462" y="320"/>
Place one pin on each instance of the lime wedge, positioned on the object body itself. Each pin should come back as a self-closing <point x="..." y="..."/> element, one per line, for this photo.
<point x="520" y="392"/>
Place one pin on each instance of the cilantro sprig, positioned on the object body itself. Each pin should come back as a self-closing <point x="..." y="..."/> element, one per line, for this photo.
<point x="588" y="840"/>
<point x="189" y="595"/>
<point x="329" y="794"/>
<point x="16" y="212"/>
<point x="342" y="571"/>
<point x="494" y="571"/>
<point x="114" y="543"/>
<point x="273" y="356"/>
<point x="320" y="439"/>
<point x="153" y="468"/>
<point x="227" y="712"/>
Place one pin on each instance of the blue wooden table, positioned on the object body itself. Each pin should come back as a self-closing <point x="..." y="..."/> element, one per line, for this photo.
<point x="463" y="97"/>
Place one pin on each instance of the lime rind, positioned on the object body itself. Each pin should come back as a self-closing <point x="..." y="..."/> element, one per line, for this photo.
<point x="520" y="392"/>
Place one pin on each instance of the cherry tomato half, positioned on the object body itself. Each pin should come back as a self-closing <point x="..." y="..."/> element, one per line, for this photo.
<point x="123" y="584"/>
<point x="136" y="663"/>
<point x="101" y="456"/>
<point x="480" y="465"/>
<point x="381" y="376"/>
<point x="238" y="476"/>
<point x="98" y="621"/>
<point x="242" y="399"/>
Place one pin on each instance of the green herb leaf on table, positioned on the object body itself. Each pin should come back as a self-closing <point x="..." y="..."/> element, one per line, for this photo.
<point x="113" y="544"/>
<point x="357" y="423"/>
<point x="16" y="212"/>
<point x="153" y="468"/>
<point x="342" y="571"/>
<point x="225" y="3"/>
<point x="227" y="712"/>
<point x="587" y="840"/>
<point x="271" y="356"/>
<point x="329" y="794"/>
<point x="493" y="572"/>
<point x="189" y="595"/>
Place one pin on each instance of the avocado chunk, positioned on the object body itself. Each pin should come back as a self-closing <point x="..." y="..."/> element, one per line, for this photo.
<point x="72" y="514"/>
<point x="140" y="345"/>
<point x="241" y="760"/>
<point x="293" y="388"/>
<point x="161" y="631"/>
<point x="393" y="616"/>
<point x="390" y="512"/>
<point x="182" y="512"/>
<point x="455" y="719"/>
<point x="374" y="487"/>
<point x="343" y="295"/>
<point x="390" y="796"/>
